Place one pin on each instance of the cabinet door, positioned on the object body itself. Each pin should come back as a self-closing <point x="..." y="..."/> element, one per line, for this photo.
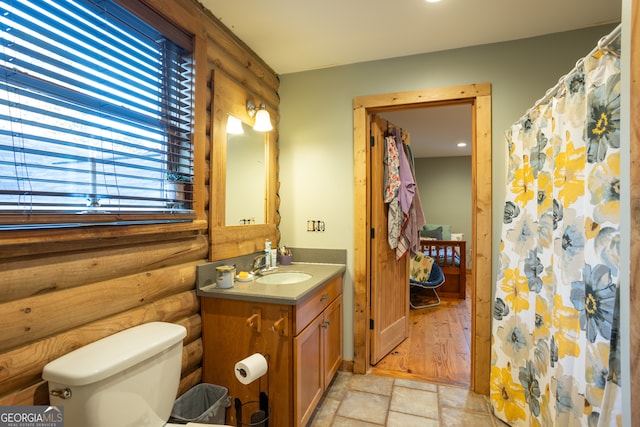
<point x="308" y="373"/>
<point x="332" y="340"/>
<point x="228" y="338"/>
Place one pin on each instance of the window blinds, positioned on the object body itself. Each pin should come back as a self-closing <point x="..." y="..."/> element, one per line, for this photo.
<point x="95" y="116"/>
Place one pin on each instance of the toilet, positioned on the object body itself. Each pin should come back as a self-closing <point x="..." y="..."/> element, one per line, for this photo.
<point x="129" y="379"/>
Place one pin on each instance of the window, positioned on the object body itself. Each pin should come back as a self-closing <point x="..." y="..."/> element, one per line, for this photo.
<point x="95" y="115"/>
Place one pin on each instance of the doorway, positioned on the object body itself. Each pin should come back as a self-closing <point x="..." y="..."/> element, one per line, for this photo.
<point x="438" y="346"/>
<point x="479" y="95"/>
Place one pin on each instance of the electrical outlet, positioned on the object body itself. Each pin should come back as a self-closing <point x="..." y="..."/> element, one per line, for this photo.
<point x="315" y="225"/>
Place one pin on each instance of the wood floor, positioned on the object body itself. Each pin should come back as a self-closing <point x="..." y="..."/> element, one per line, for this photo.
<point x="439" y="345"/>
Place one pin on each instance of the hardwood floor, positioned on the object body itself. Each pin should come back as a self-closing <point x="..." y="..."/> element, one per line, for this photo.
<point x="439" y="345"/>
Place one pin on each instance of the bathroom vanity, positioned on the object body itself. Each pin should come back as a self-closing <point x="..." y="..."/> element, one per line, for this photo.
<point x="296" y="326"/>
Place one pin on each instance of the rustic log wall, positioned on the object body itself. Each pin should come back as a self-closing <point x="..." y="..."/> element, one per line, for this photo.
<point x="62" y="289"/>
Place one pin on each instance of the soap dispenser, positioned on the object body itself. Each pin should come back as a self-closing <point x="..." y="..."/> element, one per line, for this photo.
<point x="267" y="254"/>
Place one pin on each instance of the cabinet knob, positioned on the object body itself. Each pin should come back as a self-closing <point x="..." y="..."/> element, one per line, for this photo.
<point x="326" y="324"/>
<point x="324" y="297"/>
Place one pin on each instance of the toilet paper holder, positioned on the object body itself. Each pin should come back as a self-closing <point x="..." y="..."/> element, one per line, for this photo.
<point x="259" y="417"/>
<point x="252" y="368"/>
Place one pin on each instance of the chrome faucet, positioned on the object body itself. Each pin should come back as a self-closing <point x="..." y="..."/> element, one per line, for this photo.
<point x="259" y="264"/>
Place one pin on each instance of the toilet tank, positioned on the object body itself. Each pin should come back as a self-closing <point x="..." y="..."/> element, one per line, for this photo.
<point x="129" y="379"/>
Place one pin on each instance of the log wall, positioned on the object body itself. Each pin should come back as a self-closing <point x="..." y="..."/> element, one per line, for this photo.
<point x="63" y="289"/>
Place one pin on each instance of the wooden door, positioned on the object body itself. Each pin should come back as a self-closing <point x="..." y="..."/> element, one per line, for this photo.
<point x="389" y="277"/>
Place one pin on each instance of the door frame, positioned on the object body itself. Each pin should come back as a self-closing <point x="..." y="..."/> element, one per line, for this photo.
<point x="479" y="95"/>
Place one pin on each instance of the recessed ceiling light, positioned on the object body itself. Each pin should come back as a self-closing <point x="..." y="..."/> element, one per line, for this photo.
<point x="462" y="144"/>
<point x="432" y="1"/>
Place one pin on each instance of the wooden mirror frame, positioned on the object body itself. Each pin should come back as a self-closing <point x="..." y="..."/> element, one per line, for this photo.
<point x="229" y="98"/>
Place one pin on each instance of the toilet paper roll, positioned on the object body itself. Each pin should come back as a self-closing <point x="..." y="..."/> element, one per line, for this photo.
<point x="251" y="368"/>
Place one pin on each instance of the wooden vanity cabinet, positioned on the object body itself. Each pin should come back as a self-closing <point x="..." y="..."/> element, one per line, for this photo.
<point x="302" y="344"/>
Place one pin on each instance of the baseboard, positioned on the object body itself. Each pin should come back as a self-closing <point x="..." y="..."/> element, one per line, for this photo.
<point x="347" y="366"/>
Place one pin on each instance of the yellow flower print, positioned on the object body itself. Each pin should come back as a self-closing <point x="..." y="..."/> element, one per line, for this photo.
<point x="592" y="228"/>
<point x="516" y="288"/>
<point x="568" y="176"/>
<point x="522" y="184"/>
<point x="506" y="395"/>
<point x="543" y="319"/>
<point x="604" y="186"/>
<point x="566" y="321"/>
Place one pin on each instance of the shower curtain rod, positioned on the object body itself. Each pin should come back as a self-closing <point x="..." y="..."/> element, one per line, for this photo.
<point x="602" y="43"/>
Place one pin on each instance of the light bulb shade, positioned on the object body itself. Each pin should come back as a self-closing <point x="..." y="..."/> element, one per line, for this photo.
<point x="263" y="121"/>
<point x="234" y="126"/>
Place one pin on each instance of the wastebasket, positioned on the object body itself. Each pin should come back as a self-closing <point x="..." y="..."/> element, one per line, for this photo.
<point x="204" y="403"/>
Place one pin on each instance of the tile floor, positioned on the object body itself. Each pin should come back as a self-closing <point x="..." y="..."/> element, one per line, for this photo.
<point x="373" y="400"/>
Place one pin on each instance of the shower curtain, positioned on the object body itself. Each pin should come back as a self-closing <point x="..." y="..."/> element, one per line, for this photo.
<point x="555" y="348"/>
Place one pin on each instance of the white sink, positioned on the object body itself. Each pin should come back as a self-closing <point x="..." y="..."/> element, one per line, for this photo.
<point x="283" y="278"/>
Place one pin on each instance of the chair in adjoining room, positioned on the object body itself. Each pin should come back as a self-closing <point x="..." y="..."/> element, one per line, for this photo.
<point x="424" y="274"/>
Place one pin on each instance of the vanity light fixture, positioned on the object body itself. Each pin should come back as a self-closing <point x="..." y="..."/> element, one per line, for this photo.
<point x="263" y="119"/>
<point x="234" y="126"/>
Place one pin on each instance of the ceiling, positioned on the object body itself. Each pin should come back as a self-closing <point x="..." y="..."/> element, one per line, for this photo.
<point x="435" y="131"/>
<point x="302" y="35"/>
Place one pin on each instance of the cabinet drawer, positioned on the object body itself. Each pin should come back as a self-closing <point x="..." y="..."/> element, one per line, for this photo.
<point x="313" y="305"/>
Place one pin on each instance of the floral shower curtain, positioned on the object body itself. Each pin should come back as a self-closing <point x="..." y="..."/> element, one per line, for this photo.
<point x="555" y="350"/>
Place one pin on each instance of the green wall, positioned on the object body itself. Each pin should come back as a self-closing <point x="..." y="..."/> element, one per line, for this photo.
<point x="444" y="184"/>
<point x="316" y="127"/>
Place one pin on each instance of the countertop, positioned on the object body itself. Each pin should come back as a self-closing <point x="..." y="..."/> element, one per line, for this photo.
<point x="289" y="294"/>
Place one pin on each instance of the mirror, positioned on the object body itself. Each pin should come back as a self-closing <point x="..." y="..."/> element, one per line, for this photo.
<point x="243" y="178"/>
<point x="246" y="177"/>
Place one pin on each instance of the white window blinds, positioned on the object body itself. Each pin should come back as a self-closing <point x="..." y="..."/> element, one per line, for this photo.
<point x="95" y="116"/>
